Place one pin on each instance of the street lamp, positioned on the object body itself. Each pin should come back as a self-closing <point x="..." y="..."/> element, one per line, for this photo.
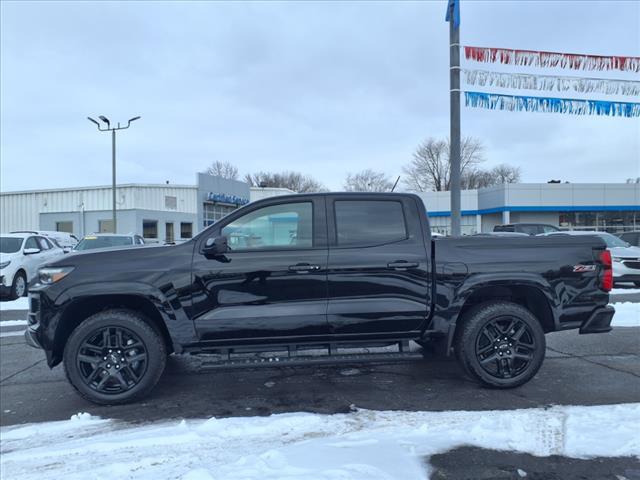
<point x="113" y="154"/>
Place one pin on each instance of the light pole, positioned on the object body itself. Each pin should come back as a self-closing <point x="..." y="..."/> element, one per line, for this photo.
<point x="113" y="155"/>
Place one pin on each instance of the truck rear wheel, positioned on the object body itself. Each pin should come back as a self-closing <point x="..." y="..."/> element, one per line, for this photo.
<point x="114" y="357"/>
<point x="501" y="344"/>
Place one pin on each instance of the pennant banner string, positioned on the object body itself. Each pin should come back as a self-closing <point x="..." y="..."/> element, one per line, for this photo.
<point x="569" y="106"/>
<point x="543" y="59"/>
<point x="551" y="82"/>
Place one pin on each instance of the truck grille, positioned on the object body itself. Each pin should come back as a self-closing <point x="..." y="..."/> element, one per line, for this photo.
<point x="632" y="264"/>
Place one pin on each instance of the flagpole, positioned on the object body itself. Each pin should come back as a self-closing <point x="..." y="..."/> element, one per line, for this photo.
<point x="453" y="15"/>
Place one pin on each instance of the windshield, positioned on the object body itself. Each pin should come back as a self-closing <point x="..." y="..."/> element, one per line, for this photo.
<point x="10" y="245"/>
<point x="612" y="241"/>
<point x="89" y="243"/>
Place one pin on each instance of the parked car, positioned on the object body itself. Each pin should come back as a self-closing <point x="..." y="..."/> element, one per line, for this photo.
<point x="108" y="240"/>
<point x="632" y="238"/>
<point x="20" y="256"/>
<point x="626" y="258"/>
<point x="321" y="270"/>
<point x="528" y="228"/>
<point x="64" y="240"/>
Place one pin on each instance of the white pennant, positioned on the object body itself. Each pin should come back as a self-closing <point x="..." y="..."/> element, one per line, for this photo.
<point x="551" y="83"/>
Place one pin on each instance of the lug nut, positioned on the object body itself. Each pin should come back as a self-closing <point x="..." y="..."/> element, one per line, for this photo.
<point x="104" y="358"/>
<point x="122" y="359"/>
<point x="109" y="365"/>
<point x="117" y="366"/>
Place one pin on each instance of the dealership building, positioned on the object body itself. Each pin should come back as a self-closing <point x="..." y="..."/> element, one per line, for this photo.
<point x="159" y="212"/>
<point x="168" y="212"/>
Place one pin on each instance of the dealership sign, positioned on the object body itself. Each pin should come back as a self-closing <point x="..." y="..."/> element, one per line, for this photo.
<point x="224" y="198"/>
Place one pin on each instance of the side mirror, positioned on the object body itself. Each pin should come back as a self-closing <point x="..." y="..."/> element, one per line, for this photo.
<point x="66" y="249"/>
<point x="216" y="245"/>
<point x="31" y="251"/>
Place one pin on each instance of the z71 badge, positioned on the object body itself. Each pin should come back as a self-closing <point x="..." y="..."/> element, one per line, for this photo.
<point x="584" y="268"/>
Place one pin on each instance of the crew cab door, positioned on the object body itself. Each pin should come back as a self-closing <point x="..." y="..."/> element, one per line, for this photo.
<point x="378" y="265"/>
<point x="273" y="281"/>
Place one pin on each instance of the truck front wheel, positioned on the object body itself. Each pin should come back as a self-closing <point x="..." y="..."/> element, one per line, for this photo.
<point x="501" y="344"/>
<point x="114" y="357"/>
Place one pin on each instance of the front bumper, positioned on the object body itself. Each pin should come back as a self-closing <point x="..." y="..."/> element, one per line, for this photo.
<point x="599" y="321"/>
<point x="31" y="338"/>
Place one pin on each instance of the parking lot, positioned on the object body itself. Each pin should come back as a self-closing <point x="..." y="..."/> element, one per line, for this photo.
<point x="578" y="370"/>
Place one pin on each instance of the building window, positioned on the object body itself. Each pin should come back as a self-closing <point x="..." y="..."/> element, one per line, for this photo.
<point x="170" y="202"/>
<point x="215" y="211"/>
<point x="186" y="230"/>
<point x="150" y="228"/>
<point x="608" y="221"/>
<point x="64" y="227"/>
<point x="105" y="226"/>
<point x="168" y="232"/>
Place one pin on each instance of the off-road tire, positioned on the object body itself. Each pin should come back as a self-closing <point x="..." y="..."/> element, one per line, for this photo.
<point x="116" y="318"/>
<point x="472" y="325"/>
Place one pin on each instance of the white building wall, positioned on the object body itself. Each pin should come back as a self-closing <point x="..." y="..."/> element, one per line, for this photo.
<point x="21" y="210"/>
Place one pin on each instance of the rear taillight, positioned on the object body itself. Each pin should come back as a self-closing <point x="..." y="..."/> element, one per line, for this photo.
<point x="607" y="274"/>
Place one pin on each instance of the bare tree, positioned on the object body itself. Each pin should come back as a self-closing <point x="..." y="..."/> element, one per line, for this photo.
<point x="430" y="168"/>
<point x="504" y="173"/>
<point x="295" y="181"/>
<point x="367" y="181"/>
<point x="223" y="169"/>
<point x="633" y="180"/>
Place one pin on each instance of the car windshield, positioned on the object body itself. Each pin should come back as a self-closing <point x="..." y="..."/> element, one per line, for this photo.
<point x="89" y="243"/>
<point x="612" y="241"/>
<point x="10" y="244"/>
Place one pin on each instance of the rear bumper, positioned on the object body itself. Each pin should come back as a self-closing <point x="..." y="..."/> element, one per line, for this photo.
<point x="599" y="321"/>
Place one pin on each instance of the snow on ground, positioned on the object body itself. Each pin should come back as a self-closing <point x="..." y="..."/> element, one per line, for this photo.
<point x="21" y="303"/>
<point x="12" y="323"/>
<point x="622" y="291"/>
<point x="627" y="315"/>
<point x="364" y="444"/>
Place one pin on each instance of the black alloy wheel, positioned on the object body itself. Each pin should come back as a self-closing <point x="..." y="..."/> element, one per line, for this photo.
<point x="112" y="360"/>
<point x="505" y="347"/>
<point x="115" y="356"/>
<point x="500" y="343"/>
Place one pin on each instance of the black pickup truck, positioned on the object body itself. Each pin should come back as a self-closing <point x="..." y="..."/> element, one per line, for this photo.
<point x="335" y="271"/>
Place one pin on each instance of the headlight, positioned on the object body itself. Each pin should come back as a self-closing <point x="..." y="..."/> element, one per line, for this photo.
<point x="5" y="264"/>
<point x="617" y="259"/>
<point x="49" y="275"/>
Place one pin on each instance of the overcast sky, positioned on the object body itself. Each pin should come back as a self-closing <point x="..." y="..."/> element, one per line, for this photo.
<point x="323" y="88"/>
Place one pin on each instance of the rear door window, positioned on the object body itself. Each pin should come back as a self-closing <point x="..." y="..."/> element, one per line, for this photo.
<point x="368" y="223"/>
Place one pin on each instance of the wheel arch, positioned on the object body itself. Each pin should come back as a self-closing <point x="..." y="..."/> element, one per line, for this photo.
<point x="529" y="296"/>
<point x="82" y="308"/>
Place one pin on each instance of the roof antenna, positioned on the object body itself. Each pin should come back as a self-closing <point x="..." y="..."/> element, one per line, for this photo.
<point x="394" y="185"/>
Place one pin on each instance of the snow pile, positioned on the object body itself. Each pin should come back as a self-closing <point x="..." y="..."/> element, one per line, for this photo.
<point x="627" y="315"/>
<point x="21" y="303"/>
<point x="363" y="444"/>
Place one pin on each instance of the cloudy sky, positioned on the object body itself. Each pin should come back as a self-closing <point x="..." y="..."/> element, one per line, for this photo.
<point x="324" y="88"/>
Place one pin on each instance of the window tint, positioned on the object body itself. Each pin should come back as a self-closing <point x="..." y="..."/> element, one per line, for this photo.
<point x="369" y="222"/>
<point x="504" y="228"/>
<point x="548" y="228"/>
<point x="186" y="230"/>
<point x="150" y="228"/>
<point x="278" y="226"/>
<point x="31" y="243"/>
<point x="528" y="229"/>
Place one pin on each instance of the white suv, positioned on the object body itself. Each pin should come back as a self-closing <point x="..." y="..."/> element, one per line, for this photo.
<point x="20" y="256"/>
